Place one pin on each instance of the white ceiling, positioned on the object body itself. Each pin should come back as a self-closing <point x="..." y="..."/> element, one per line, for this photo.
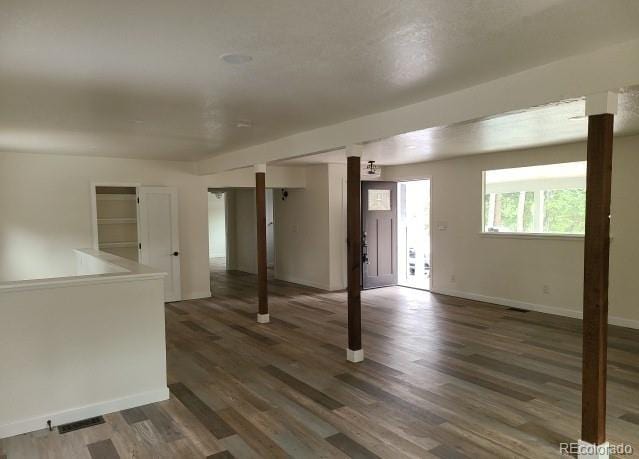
<point x="550" y="124"/>
<point x="144" y="79"/>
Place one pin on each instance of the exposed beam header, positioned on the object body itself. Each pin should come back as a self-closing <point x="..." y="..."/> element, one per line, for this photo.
<point x="355" y="149"/>
<point x="608" y="68"/>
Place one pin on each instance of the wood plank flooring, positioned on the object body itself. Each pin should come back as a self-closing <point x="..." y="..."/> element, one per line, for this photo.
<point x="443" y="377"/>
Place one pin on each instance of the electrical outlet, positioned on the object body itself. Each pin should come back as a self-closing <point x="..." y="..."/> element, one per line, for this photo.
<point x="546" y="289"/>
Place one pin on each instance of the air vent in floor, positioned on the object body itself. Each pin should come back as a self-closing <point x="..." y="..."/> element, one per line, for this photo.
<point x="66" y="428"/>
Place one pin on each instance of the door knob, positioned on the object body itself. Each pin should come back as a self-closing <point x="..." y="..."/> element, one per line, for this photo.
<point x="175" y="254"/>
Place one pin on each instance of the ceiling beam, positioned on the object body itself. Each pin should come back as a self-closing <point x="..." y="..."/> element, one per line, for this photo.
<point x="609" y="68"/>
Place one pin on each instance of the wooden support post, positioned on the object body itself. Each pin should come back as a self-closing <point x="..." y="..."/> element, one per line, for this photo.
<point x="260" y="206"/>
<point x="354" y="353"/>
<point x="600" y="110"/>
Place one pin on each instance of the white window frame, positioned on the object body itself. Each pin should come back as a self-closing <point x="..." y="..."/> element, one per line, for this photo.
<point x="538" y="223"/>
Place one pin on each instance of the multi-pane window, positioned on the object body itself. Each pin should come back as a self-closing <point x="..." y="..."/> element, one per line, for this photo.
<point x="549" y="199"/>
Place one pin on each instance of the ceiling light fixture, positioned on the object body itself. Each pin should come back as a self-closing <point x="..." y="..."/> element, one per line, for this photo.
<point x="244" y="124"/>
<point x="236" y="59"/>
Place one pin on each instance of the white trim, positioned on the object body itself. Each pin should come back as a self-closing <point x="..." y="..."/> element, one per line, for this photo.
<point x="355" y="149"/>
<point x="318" y="285"/>
<point x="115" y="197"/>
<point x="94" y="205"/>
<point x="83" y="412"/>
<point x="355" y="356"/>
<point x="112" y="245"/>
<point x="564" y="312"/>
<point x="260" y="168"/>
<point x="263" y="318"/>
<point x="117" y="221"/>
<point x="590" y="451"/>
<point x="61" y="282"/>
<point x="196" y="295"/>
<point x="623" y="322"/>
<point x="603" y="102"/>
<point x="510" y="235"/>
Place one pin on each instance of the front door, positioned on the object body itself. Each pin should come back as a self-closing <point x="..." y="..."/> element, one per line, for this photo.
<point x="159" y="239"/>
<point x="379" y="238"/>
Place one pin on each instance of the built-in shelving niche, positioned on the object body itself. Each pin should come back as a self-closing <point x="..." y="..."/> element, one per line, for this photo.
<point x="117" y="220"/>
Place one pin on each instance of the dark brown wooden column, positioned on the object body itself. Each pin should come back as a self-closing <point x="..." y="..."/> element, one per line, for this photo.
<point x="354" y="244"/>
<point x="260" y="206"/>
<point x="596" y="256"/>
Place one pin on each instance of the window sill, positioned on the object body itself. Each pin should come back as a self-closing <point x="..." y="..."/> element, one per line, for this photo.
<point x="547" y="236"/>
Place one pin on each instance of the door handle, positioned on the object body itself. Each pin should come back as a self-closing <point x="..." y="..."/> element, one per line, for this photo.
<point x="364" y="248"/>
<point x="175" y="254"/>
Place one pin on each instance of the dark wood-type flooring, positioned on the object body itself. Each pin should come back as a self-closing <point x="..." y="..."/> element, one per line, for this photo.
<point x="443" y="377"/>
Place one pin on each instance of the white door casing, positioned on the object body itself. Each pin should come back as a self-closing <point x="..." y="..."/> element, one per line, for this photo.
<point x="158" y="235"/>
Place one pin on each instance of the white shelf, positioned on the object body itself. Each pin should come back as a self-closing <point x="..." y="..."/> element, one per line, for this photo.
<point x="113" y="245"/>
<point x="115" y="197"/>
<point x="116" y="221"/>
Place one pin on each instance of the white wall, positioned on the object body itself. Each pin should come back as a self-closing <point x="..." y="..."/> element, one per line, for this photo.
<point x="217" y="225"/>
<point x="337" y="226"/>
<point x="242" y="239"/>
<point x="45" y="205"/>
<point x="276" y="177"/>
<point x="301" y="233"/>
<point x="69" y="352"/>
<point x="512" y="270"/>
<point x="310" y="230"/>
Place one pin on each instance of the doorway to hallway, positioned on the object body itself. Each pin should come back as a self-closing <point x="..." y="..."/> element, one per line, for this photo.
<point x="414" y="245"/>
<point x="217" y="231"/>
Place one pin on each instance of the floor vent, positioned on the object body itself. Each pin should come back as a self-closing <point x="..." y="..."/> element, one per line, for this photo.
<point x="66" y="428"/>
<point x="518" y="310"/>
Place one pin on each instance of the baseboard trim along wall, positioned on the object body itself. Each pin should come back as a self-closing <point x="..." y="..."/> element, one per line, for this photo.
<point x="564" y="312"/>
<point x="295" y="280"/>
<point x="83" y="412"/>
<point x="196" y="295"/>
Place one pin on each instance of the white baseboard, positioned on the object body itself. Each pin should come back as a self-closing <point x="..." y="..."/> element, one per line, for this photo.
<point x="83" y="412"/>
<point x="196" y="295"/>
<point x="564" y="312"/>
<point x="297" y="280"/>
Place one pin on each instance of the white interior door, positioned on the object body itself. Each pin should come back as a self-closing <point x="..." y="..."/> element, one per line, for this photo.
<point x="159" y="238"/>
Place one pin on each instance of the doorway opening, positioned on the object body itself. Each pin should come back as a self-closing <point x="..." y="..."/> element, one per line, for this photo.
<point x="414" y="245"/>
<point x="232" y="230"/>
<point x="217" y="231"/>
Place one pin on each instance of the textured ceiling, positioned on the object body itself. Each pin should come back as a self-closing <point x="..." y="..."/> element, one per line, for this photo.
<point x="144" y="79"/>
<point x="551" y="124"/>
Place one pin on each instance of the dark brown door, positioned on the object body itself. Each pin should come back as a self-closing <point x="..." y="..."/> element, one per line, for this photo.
<point x="379" y="238"/>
